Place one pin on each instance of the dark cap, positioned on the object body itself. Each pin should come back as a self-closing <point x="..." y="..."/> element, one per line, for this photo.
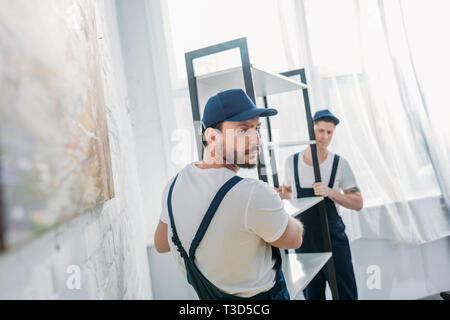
<point x="325" y="113"/>
<point x="232" y="105"/>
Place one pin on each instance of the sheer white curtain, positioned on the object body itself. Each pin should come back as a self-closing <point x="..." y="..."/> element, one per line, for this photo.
<point x="361" y="65"/>
<point x="365" y="61"/>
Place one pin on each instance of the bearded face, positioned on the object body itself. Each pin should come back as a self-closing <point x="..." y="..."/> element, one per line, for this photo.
<point x="237" y="143"/>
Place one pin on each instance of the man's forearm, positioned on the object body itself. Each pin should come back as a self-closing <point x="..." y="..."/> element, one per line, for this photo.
<point x="300" y="230"/>
<point x="350" y="201"/>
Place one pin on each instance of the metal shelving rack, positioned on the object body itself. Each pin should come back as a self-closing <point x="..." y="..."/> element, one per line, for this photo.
<point x="299" y="269"/>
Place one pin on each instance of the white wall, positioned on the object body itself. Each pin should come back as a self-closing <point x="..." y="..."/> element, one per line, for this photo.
<point x="108" y="242"/>
<point x="407" y="271"/>
<point x="149" y="98"/>
<point x="168" y="282"/>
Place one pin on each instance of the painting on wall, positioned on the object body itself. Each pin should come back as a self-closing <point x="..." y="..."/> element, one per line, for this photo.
<point x="55" y="159"/>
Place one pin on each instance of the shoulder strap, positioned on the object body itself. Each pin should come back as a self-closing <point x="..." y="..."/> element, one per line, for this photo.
<point x="175" y="238"/>
<point x="210" y="214"/>
<point x="333" y="171"/>
<point x="296" y="176"/>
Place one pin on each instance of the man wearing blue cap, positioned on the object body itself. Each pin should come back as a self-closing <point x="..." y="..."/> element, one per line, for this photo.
<point x="223" y="229"/>
<point x="336" y="175"/>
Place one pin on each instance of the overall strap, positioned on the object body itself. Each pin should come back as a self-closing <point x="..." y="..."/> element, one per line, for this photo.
<point x="297" y="180"/>
<point x="175" y="238"/>
<point x="333" y="171"/>
<point x="277" y="256"/>
<point x="210" y="214"/>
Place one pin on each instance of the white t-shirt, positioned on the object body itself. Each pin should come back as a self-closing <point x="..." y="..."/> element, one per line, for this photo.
<point x="234" y="254"/>
<point x="344" y="180"/>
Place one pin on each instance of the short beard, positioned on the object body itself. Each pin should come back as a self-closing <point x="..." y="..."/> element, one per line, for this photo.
<point x="243" y="165"/>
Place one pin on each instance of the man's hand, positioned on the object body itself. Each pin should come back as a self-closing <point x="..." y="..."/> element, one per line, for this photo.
<point x="321" y="189"/>
<point x="285" y="192"/>
<point x="351" y="199"/>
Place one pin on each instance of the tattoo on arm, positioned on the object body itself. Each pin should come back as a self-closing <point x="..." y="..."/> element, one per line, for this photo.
<point x="355" y="190"/>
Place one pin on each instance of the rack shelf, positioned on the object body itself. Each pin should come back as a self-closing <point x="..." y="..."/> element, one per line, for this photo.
<point x="295" y="207"/>
<point x="274" y="145"/>
<point x="300" y="268"/>
<point x="266" y="83"/>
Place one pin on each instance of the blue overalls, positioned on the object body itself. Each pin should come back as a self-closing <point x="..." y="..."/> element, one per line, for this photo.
<point x="313" y="242"/>
<point x="204" y="288"/>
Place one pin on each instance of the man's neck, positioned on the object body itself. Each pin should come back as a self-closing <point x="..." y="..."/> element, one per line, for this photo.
<point x="321" y="153"/>
<point x="212" y="165"/>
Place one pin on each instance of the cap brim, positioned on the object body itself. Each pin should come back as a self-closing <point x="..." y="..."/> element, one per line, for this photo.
<point x="253" y="113"/>
<point x="336" y="120"/>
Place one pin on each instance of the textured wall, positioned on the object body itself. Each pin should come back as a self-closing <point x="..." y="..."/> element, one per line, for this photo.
<point x="150" y="98"/>
<point x="107" y="244"/>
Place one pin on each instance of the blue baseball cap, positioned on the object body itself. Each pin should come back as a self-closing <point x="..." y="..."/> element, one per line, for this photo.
<point x="232" y="105"/>
<point x="325" y="113"/>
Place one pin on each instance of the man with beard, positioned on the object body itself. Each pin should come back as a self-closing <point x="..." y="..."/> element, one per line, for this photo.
<point x="223" y="230"/>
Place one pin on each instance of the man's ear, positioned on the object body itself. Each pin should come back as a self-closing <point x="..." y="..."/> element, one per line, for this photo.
<point x="209" y="135"/>
<point x="212" y="135"/>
